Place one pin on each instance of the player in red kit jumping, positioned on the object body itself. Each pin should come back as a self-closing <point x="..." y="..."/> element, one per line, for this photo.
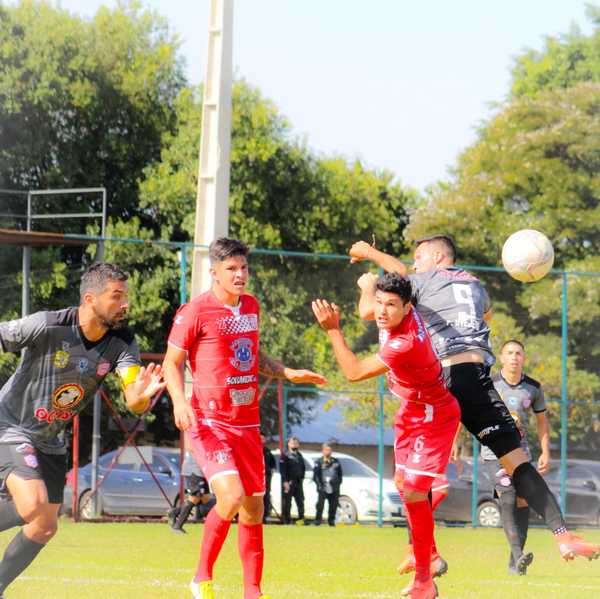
<point x="428" y="417"/>
<point x="217" y="333"/>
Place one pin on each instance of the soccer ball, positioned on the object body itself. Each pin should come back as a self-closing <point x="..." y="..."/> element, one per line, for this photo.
<point x="527" y="255"/>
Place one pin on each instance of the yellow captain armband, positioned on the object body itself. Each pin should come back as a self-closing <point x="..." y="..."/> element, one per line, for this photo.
<point x="128" y="375"/>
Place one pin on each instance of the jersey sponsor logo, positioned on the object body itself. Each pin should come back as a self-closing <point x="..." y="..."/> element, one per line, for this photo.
<point x="67" y="396"/>
<point x="178" y="319"/>
<point x="103" y="369"/>
<point x="49" y="416"/>
<point x="235" y="325"/>
<point x="241" y="380"/>
<point x="82" y="365"/>
<point x="61" y="358"/>
<point x="243" y="358"/>
<point x="396" y="344"/>
<point x="487" y="431"/>
<point x="242" y="397"/>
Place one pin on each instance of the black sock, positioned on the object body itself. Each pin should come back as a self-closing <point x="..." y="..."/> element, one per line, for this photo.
<point x="20" y="552"/>
<point x="511" y="530"/>
<point x="188" y="506"/>
<point x="522" y="520"/>
<point x="9" y="517"/>
<point x="533" y="488"/>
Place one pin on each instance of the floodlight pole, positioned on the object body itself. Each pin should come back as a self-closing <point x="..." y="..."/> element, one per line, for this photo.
<point x="25" y="304"/>
<point x="212" y="211"/>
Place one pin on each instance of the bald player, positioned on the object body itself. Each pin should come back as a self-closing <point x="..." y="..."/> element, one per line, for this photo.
<point x="455" y="308"/>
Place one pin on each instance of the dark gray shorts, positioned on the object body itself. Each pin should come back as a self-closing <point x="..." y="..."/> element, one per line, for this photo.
<point x="26" y="462"/>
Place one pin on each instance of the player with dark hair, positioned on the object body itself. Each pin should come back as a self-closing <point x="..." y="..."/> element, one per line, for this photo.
<point x="218" y="334"/>
<point x="522" y="395"/>
<point x="65" y="356"/>
<point x="455" y="308"/>
<point x="428" y="417"/>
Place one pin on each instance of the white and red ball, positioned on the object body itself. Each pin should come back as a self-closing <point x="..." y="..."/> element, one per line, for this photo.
<point x="527" y="255"/>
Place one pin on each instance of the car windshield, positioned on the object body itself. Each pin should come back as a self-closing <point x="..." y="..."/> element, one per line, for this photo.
<point x="107" y="458"/>
<point x="352" y="467"/>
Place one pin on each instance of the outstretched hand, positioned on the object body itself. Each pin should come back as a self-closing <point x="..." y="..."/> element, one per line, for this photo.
<point x="327" y="315"/>
<point x="149" y="381"/>
<point x="304" y="376"/>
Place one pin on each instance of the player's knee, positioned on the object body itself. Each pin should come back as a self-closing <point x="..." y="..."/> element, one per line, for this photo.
<point x="231" y="502"/>
<point x="42" y="529"/>
<point x="31" y="508"/>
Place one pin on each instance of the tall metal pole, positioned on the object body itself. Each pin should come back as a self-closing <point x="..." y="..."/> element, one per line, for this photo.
<point x="96" y="436"/>
<point x="564" y="412"/>
<point x="25" y="305"/>
<point x="380" y="449"/>
<point x="212" y="211"/>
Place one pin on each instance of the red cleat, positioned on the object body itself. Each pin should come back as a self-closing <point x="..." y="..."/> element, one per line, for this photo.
<point x="571" y="546"/>
<point x="423" y="590"/>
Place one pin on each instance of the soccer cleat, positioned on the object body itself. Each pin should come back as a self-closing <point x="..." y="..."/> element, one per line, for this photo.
<point x="178" y="530"/>
<point x="408" y="565"/>
<point x="172" y="516"/>
<point x="202" y="590"/>
<point x="571" y="546"/>
<point x="523" y="563"/>
<point x="423" y="590"/>
<point x="439" y="566"/>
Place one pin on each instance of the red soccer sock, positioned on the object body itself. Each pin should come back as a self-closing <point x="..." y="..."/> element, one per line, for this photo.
<point x="250" y="546"/>
<point x="421" y="518"/>
<point x="215" y="533"/>
<point x="437" y="497"/>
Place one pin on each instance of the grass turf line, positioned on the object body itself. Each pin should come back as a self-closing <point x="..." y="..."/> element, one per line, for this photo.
<point x="135" y="561"/>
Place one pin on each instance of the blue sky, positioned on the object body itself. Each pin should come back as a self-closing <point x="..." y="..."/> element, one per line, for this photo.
<point x="401" y="84"/>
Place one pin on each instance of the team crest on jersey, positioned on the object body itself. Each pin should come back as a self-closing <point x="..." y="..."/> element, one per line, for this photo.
<point x="82" y="365"/>
<point x="243" y="358"/>
<point x="61" y="358"/>
<point x="67" y="397"/>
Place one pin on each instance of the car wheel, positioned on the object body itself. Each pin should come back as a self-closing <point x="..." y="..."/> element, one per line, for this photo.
<point x="346" y="512"/>
<point x="488" y="514"/>
<point x="85" y="506"/>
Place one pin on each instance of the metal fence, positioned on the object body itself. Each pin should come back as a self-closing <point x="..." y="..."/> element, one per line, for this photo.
<point x="555" y="318"/>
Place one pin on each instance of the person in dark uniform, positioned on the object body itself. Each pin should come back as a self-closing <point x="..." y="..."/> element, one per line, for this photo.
<point x="292" y="470"/>
<point x="197" y="495"/>
<point x="65" y="357"/>
<point x="328" y="477"/>
<point x="269" y="467"/>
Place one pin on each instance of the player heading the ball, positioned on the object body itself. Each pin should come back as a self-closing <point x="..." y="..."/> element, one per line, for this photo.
<point x="455" y="308"/>
<point x="217" y="333"/>
<point x="66" y="355"/>
<point x="428" y="416"/>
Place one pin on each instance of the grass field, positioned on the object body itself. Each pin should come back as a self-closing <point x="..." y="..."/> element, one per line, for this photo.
<point x="147" y="561"/>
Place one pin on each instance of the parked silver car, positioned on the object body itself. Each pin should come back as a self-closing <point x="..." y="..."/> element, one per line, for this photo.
<point x="128" y="489"/>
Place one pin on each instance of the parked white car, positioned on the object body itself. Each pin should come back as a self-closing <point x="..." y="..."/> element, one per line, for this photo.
<point x="359" y="494"/>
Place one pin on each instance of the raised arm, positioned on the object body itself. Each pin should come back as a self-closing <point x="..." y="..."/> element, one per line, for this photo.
<point x="140" y="385"/>
<point x="366" y="303"/>
<point x="361" y="250"/>
<point x="354" y="369"/>
<point x="271" y="367"/>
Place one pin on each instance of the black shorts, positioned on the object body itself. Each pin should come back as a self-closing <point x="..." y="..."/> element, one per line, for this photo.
<point x="196" y="485"/>
<point x="29" y="463"/>
<point x="483" y="412"/>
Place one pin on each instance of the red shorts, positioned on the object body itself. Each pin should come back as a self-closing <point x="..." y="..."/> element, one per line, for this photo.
<point x="221" y="450"/>
<point x="424" y="437"/>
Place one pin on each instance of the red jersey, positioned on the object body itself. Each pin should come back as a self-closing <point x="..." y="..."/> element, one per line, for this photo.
<point x="222" y="346"/>
<point x="415" y="370"/>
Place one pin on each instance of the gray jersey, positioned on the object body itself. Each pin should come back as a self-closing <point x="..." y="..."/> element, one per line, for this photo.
<point x="59" y="371"/>
<point x="520" y="399"/>
<point x="452" y="303"/>
<point x="190" y="466"/>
